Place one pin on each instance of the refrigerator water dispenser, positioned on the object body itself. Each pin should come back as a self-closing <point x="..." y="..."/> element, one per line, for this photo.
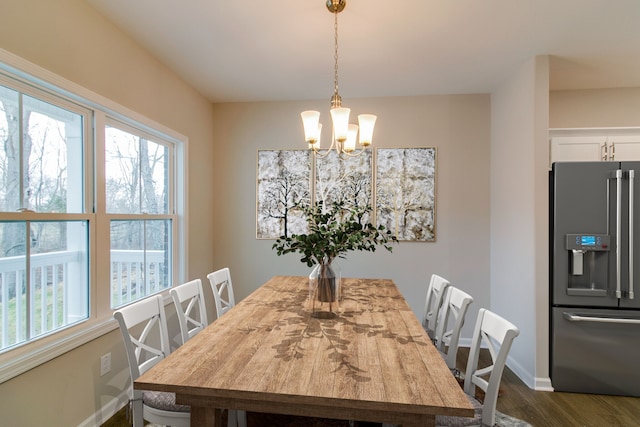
<point x="588" y="264"/>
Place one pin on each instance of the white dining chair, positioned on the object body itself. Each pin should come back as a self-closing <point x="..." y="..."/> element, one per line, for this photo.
<point x="222" y="290"/>
<point x="191" y="311"/>
<point x="433" y="304"/>
<point x="454" y="310"/>
<point x="143" y="325"/>
<point x="497" y="334"/>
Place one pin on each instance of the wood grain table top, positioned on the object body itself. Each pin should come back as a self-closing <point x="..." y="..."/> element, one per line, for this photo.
<point x="374" y="362"/>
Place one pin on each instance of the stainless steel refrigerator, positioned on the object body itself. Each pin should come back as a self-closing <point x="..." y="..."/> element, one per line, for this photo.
<point x="595" y="277"/>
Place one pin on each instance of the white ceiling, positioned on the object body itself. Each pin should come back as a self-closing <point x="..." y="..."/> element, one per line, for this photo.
<point x="257" y="50"/>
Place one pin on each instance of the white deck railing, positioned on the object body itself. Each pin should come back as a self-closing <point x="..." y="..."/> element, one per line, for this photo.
<point x="58" y="290"/>
<point x="134" y="277"/>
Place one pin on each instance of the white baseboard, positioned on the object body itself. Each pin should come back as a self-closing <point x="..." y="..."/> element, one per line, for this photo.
<point x="531" y="381"/>
<point x="107" y="411"/>
<point x="534" y="383"/>
<point x="464" y="342"/>
<point x="526" y="376"/>
<point x="543" y="384"/>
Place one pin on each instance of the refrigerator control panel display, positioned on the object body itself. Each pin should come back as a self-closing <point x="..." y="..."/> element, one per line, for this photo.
<point x="588" y="242"/>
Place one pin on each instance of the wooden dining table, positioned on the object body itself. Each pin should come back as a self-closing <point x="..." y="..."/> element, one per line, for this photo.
<point x="373" y="362"/>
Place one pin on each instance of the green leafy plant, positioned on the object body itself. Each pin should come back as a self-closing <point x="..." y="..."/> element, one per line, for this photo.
<point x="334" y="231"/>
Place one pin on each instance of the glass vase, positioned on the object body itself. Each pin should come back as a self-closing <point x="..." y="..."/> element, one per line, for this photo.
<point x="324" y="292"/>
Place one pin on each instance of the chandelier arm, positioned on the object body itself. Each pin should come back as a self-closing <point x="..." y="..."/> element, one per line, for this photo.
<point x="355" y="153"/>
<point x="322" y="153"/>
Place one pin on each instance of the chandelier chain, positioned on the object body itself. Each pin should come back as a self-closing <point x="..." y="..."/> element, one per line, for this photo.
<point x="343" y="134"/>
<point x="335" y="53"/>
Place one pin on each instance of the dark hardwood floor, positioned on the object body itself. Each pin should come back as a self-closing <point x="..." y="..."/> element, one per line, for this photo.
<point x="541" y="409"/>
<point x="546" y="409"/>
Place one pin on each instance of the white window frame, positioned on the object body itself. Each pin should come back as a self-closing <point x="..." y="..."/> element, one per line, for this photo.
<point x="170" y="214"/>
<point x="20" y="359"/>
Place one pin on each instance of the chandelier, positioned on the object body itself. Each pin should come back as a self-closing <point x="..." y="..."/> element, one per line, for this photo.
<point x="344" y="135"/>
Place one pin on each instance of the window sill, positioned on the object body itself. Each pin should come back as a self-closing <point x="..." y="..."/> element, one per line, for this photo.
<point x="20" y="360"/>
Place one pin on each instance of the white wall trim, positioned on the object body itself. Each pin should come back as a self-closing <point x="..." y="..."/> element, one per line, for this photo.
<point x="464" y="342"/>
<point x="521" y="373"/>
<point x="600" y="131"/>
<point x="543" y="384"/>
<point x="535" y="383"/>
<point x="531" y="381"/>
<point x="107" y="411"/>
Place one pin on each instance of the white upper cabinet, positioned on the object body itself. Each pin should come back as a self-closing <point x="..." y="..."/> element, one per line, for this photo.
<point x="578" y="148"/>
<point x="624" y="147"/>
<point x="578" y="145"/>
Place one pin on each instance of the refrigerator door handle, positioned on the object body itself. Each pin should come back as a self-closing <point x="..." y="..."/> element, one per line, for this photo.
<point x="573" y="317"/>
<point x="618" y="230"/>
<point x="631" y="182"/>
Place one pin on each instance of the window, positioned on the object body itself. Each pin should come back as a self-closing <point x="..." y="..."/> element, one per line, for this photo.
<point x="41" y="184"/>
<point x="90" y="218"/>
<point x="137" y="176"/>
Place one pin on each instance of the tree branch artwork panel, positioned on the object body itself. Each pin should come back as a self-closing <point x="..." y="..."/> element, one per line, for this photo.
<point x="405" y="192"/>
<point x="283" y="183"/>
<point x="345" y="180"/>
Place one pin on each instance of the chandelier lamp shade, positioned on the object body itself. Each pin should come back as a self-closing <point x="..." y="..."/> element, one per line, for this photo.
<point x="345" y="136"/>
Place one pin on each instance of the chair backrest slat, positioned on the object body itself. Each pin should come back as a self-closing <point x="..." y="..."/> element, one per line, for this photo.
<point x="498" y="334"/>
<point x="148" y="347"/>
<point x="222" y="288"/>
<point x="433" y="304"/>
<point x="188" y="300"/>
<point x="454" y="310"/>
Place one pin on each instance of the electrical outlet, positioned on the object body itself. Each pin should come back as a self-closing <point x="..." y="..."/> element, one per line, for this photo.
<point x="105" y="364"/>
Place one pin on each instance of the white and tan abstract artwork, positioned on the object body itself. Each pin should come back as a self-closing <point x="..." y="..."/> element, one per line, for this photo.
<point x="405" y="192"/>
<point x="397" y="183"/>
<point x="347" y="180"/>
<point x="284" y="178"/>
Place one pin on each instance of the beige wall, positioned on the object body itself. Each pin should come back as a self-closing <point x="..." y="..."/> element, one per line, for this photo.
<point x="457" y="125"/>
<point x="519" y="215"/>
<point x="69" y="38"/>
<point x="594" y="108"/>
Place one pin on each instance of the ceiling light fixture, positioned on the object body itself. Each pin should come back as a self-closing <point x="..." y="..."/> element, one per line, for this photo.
<point x="344" y="135"/>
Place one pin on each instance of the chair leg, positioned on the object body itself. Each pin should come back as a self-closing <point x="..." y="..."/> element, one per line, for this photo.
<point x="236" y="418"/>
<point x="232" y="418"/>
<point x="242" y="418"/>
<point x="138" y="420"/>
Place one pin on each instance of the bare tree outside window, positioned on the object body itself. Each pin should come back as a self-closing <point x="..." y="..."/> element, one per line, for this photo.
<point x="43" y="264"/>
<point x="75" y="175"/>
<point x="137" y="174"/>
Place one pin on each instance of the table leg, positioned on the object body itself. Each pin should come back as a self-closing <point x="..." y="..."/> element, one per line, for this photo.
<point x="202" y="416"/>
